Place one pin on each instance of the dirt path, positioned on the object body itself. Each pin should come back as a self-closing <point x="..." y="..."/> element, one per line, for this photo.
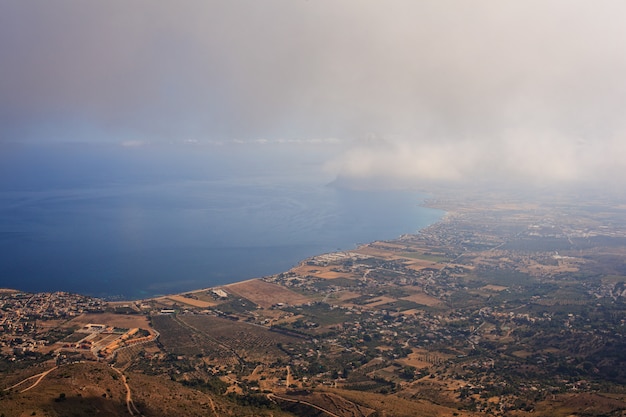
<point x="41" y="376"/>
<point x="330" y="413"/>
<point x="130" y="405"/>
<point x="213" y="407"/>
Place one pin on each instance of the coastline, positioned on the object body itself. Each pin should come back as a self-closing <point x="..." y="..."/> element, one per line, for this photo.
<point x="351" y="220"/>
<point x="430" y="302"/>
<point x="172" y="249"/>
<point x="446" y="213"/>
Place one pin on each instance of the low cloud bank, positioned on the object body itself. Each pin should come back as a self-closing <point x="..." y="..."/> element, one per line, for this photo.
<point x="519" y="157"/>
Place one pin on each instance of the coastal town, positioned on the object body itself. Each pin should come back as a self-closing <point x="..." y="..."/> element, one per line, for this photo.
<point x="29" y="322"/>
<point x="501" y="310"/>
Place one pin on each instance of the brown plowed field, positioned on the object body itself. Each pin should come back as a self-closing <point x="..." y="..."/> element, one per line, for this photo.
<point x="265" y="294"/>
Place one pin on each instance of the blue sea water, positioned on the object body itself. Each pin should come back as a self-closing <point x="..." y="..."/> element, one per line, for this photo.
<point x="107" y="223"/>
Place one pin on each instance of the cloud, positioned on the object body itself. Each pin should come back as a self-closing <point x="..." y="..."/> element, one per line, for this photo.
<point x="531" y="158"/>
<point x="532" y="91"/>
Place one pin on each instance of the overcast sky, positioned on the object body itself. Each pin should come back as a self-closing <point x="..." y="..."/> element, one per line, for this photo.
<point x="532" y="91"/>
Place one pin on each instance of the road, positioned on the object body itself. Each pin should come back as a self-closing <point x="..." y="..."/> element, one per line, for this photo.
<point x="41" y="376"/>
<point x="130" y="405"/>
<point x="213" y="407"/>
<point x="291" y="400"/>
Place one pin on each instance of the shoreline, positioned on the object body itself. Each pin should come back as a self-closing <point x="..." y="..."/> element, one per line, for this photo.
<point x="426" y="203"/>
<point x="445" y="215"/>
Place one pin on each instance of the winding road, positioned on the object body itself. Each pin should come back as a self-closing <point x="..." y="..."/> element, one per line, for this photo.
<point x="291" y="400"/>
<point x="130" y="405"/>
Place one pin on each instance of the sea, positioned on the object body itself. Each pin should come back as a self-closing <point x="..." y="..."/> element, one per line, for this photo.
<point x="132" y="222"/>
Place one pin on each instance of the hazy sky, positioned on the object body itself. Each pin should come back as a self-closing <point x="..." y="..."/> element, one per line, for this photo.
<point x="533" y="91"/>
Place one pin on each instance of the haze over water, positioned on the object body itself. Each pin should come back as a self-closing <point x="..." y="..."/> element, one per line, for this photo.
<point x="135" y="223"/>
<point x="225" y="120"/>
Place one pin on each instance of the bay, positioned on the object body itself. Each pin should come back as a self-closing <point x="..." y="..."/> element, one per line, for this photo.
<point x="160" y="228"/>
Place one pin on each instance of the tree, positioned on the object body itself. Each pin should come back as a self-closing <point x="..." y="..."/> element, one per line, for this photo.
<point x="408" y="372"/>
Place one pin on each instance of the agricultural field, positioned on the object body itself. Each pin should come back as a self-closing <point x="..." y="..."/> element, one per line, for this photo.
<point x="265" y="294"/>
<point x="123" y="321"/>
<point x="249" y="342"/>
